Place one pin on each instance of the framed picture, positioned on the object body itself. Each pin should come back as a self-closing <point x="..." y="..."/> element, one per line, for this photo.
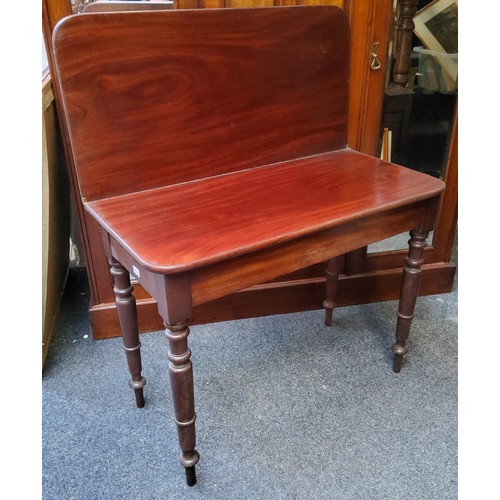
<point x="436" y="25"/>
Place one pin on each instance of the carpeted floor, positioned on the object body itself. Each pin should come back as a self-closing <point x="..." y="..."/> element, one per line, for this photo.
<point x="287" y="409"/>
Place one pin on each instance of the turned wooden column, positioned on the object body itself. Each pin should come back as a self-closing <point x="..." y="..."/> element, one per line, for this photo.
<point x="402" y="40"/>
<point x="409" y="291"/>
<point x="127" y="314"/>
<point x="332" y="279"/>
<point x="181" y="381"/>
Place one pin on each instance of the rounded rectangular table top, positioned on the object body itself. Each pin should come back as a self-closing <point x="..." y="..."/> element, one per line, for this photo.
<point x="192" y="224"/>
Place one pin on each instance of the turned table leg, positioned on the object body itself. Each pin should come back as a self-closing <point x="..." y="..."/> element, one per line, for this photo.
<point x="127" y="314"/>
<point x="181" y="382"/>
<point x="332" y="279"/>
<point x="409" y="290"/>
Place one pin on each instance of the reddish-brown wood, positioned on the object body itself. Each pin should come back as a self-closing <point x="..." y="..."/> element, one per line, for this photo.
<point x="181" y="381"/>
<point x="127" y="314"/>
<point x="219" y="279"/>
<point x="440" y="248"/>
<point x="52" y="12"/>
<point x="161" y="90"/>
<point x="210" y="220"/>
<point x="280" y="298"/>
<point x="368" y="23"/>
<point x="409" y="291"/>
<point x="203" y="211"/>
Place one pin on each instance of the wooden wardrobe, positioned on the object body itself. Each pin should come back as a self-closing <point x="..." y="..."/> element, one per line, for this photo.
<point x="366" y="276"/>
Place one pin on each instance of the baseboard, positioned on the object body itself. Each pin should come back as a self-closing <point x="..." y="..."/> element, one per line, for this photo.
<point x="281" y="298"/>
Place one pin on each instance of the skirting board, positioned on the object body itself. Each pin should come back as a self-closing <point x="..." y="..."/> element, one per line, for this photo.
<point x="281" y="298"/>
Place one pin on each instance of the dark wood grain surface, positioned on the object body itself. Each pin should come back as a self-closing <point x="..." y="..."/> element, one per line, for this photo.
<point x="188" y="225"/>
<point x="157" y="98"/>
<point x="211" y="148"/>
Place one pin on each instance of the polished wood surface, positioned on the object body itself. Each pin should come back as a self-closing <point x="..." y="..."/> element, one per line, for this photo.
<point x="210" y="220"/>
<point x="370" y="23"/>
<point x="270" y="199"/>
<point x="197" y="98"/>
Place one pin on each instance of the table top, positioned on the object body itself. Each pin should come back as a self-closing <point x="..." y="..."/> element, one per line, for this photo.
<point x="158" y="98"/>
<point x="188" y="225"/>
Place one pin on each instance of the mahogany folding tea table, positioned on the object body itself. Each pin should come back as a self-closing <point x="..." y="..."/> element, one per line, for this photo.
<point x="210" y="146"/>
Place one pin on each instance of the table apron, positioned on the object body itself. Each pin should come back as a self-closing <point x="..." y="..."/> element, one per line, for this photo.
<point x="222" y="278"/>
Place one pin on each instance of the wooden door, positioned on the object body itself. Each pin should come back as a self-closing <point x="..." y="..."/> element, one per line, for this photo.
<point x="370" y="24"/>
<point x="407" y="86"/>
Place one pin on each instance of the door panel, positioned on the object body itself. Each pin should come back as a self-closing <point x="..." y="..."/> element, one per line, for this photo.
<point x="220" y="4"/>
<point x="370" y="22"/>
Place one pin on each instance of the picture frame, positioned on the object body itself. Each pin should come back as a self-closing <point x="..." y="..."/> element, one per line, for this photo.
<point x="436" y="25"/>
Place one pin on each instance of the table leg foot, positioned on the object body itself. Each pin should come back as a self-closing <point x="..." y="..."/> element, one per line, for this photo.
<point x="181" y="381"/>
<point x="399" y="354"/>
<point x="190" y="476"/>
<point x="137" y="386"/>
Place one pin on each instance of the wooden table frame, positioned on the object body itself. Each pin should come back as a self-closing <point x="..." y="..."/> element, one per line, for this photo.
<point x="175" y="209"/>
<point x="174" y="295"/>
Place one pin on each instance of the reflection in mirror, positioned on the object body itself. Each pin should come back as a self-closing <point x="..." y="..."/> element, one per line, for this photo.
<point x="421" y="94"/>
<point x="396" y="242"/>
<point x="86" y="6"/>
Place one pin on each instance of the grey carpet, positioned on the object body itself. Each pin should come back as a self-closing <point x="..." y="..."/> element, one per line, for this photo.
<point x="287" y="409"/>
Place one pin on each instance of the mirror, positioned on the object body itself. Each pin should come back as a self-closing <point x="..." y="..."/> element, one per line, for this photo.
<point x="421" y="93"/>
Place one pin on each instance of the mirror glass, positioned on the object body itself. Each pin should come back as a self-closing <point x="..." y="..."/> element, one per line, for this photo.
<point x="421" y="93"/>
